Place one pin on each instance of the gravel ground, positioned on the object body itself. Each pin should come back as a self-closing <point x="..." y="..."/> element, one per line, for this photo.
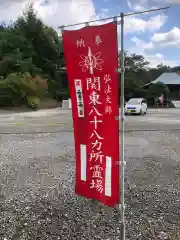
<point x="37" y="198"/>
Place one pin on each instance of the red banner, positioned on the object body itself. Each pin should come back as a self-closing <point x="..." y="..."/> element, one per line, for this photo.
<point x="92" y="62"/>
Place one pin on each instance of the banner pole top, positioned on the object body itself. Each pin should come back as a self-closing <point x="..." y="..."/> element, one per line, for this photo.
<point x="110" y="18"/>
<point x="62" y="28"/>
<point x="115" y="19"/>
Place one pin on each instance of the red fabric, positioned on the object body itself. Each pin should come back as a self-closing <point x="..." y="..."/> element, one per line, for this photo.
<point x="80" y="46"/>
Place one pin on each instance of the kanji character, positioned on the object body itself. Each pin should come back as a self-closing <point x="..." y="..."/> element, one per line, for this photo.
<point x="97" y="135"/>
<point x="94" y="83"/>
<point x="108" y="109"/>
<point x="95" y="156"/>
<point x="96" y="121"/>
<point x="97" y="184"/>
<point x="107" y="78"/>
<point x="97" y="144"/>
<point x="80" y="43"/>
<point x="95" y="111"/>
<point x="97" y="171"/>
<point x="94" y="98"/>
<point x="108" y="99"/>
<point x="108" y="89"/>
<point x="98" y="40"/>
<point x="78" y="82"/>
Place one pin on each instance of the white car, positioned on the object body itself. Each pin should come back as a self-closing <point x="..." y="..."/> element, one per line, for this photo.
<point x="136" y="106"/>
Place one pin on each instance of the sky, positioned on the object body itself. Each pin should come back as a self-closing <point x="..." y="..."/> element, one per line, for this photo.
<point x="155" y="35"/>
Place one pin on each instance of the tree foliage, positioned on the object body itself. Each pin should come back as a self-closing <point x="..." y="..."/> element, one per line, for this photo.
<point x="158" y="88"/>
<point x="31" y="59"/>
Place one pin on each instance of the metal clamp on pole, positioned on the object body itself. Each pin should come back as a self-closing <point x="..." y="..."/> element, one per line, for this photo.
<point x="123" y="163"/>
<point x="62" y="28"/>
<point x="123" y="207"/>
<point x="115" y="19"/>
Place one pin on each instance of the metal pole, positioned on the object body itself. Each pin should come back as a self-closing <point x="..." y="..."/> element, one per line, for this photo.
<point x="110" y="18"/>
<point x="121" y="177"/>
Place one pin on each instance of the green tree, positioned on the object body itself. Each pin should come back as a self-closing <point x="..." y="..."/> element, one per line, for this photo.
<point x="157" y="89"/>
<point x="46" y="45"/>
<point x="15" y="53"/>
<point x="134" y="62"/>
<point x="135" y="73"/>
<point x="163" y="68"/>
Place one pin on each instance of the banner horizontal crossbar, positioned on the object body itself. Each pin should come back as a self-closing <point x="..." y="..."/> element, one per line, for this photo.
<point x="113" y="17"/>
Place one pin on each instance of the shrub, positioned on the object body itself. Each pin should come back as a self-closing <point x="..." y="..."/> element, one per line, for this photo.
<point x="10" y="90"/>
<point x="16" y="88"/>
<point x="34" y="86"/>
<point x="33" y="102"/>
<point x="6" y="97"/>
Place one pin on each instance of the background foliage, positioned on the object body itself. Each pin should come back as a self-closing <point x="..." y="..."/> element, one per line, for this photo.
<point x="31" y="62"/>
